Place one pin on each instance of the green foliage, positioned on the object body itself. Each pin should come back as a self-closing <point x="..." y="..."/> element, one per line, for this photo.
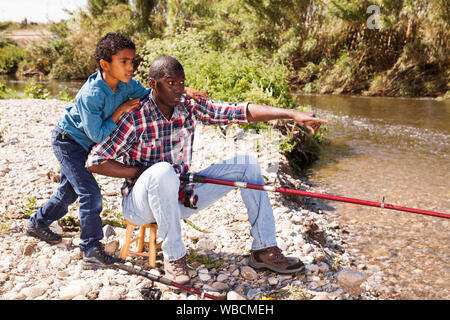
<point x="36" y="91"/>
<point x="97" y="7"/>
<point x="29" y="207"/>
<point x="65" y="96"/>
<point x="69" y="223"/>
<point x="9" y="25"/>
<point x="111" y="217"/>
<point x="226" y="75"/>
<point x="195" y="258"/>
<point x="7" y="93"/>
<point x="10" y="57"/>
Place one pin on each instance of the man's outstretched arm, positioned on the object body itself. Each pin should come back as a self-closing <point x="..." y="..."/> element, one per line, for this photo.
<point x="262" y="113"/>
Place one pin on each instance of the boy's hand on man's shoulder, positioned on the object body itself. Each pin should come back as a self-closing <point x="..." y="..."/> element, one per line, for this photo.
<point x="130" y="105"/>
<point x="192" y="93"/>
<point x="125" y="107"/>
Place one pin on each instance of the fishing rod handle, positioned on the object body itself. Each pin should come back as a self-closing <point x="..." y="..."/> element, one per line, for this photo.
<point x="192" y="177"/>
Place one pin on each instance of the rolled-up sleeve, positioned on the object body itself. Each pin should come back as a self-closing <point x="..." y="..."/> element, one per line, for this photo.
<point x="219" y="113"/>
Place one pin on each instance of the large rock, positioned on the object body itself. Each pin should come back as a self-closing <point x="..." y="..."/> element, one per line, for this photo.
<point x="351" y="280"/>
<point x="60" y="260"/>
<point x="34" y="291"/>
<point x="74" y="289"/>
<point x="248" y="273"/>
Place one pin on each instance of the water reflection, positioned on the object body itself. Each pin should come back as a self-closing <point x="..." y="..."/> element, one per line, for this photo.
<point x="55" y="87"/>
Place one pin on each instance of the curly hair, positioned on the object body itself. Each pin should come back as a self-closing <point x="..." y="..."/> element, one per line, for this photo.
<point x="109" y="45"/>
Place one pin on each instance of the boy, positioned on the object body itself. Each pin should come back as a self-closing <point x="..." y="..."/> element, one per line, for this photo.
<point x="98" y="106"/>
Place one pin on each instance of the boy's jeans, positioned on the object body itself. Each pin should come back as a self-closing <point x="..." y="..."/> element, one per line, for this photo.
<point x="154" y="198"/>
<point x="75" y="182"/>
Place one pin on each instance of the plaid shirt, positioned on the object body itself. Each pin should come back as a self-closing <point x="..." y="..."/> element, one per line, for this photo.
<point x="145" y="137"/>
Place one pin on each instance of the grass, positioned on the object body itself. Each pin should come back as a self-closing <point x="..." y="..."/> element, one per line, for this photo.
<point x="289" y="292"/>
<point x="195" y="258"/>
<point x="5" y="228"/>
<point x="111" y="217"/>
<point x="30" y="207"/>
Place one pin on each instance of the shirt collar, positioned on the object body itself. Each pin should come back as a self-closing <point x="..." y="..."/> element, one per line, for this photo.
<point x="154" y="112"/>
<point x="109" y="91"/>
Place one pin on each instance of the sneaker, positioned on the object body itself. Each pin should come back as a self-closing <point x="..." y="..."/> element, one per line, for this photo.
<point x="271" y="258"/>
<point x="177" y="270"/>
<point x="44" y="234"/>
<point x="96" y="257"/>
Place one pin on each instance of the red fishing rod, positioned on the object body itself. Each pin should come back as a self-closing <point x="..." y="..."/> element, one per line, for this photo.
<point x="190" y="177"/>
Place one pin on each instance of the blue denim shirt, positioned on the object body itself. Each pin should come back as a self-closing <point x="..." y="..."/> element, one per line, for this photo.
<point x="89" y="121"/>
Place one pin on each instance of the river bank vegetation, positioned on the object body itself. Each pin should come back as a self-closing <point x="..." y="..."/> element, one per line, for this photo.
<point x="313" y="46"/>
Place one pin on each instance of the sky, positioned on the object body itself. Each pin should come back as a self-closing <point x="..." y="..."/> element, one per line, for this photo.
<point x="37" y="10"/>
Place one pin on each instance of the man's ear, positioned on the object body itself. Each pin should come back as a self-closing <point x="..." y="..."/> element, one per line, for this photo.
<point x="152" y="83"/>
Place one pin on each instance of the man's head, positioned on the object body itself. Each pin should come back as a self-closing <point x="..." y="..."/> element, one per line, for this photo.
<point x="166" y="78"/>
<point x="115" y="53"/>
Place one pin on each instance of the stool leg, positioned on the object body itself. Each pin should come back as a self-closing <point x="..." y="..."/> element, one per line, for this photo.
<point x="141" y="239"/>
<point x="152" y="246"/>
<point x="126" y="245"/>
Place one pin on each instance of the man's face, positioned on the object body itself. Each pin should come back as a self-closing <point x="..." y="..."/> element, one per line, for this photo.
<point x="121" y="65"/>
<point x="168" y="89"/>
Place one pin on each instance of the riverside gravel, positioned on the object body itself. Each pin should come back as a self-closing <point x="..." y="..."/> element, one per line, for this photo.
<point x="217" y="239"/>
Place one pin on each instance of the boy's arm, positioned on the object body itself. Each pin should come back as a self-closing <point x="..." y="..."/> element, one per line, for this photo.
<point x="124" y="107"/>
<point x="262" y="113"/>
<point x="192" y="93"/>
<point x="90" y="108"/>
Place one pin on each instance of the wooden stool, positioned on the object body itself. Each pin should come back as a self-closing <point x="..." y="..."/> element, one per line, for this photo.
<point x="151" y="254"/>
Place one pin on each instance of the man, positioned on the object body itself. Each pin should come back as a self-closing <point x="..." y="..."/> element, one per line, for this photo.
<point x="155" y="143"/>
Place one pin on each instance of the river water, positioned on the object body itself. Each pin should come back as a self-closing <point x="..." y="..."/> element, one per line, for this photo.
<point x="55" y="87"/>
<point x="399" y="149"/>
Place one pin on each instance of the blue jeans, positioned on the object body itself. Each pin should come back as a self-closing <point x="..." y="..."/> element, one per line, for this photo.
<point x="154" y="198"/>
<point x="76" y="182"/>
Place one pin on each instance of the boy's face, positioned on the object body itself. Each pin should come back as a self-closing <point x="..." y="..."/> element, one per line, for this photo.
<point x="121" y="65"/>
<point x="168" y="89"/>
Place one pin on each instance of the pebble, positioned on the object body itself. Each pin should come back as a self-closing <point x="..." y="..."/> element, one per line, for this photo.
<point x="248" y="273"/>
<point x="351" y="280"/>
<point x="32" y="269"/>
<point x="74" y="289"/>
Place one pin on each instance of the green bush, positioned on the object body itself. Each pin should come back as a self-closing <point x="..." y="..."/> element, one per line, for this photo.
<point x="226" y="75"/>
<point x="36" y="91"/>
<point x="10" y="57"/>
<point x="7" y="93"/>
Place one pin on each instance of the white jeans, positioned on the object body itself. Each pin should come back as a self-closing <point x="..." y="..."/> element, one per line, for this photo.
<point x="154" y="198"/>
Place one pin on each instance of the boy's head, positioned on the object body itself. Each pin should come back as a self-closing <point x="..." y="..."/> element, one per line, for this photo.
<point x="111" y="44"/>
<point x="166" y="78"/>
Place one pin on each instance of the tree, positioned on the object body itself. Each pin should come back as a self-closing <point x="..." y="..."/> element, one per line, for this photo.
<point x="143" y="9"/>
<point x="97" y="7"/>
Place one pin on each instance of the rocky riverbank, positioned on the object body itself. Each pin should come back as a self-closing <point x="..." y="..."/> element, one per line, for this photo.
<point x="218" y="252"/>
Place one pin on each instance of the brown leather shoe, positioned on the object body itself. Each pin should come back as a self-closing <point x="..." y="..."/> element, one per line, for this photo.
<point x="271" y="258"/>
<point x="177" y="270"/>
